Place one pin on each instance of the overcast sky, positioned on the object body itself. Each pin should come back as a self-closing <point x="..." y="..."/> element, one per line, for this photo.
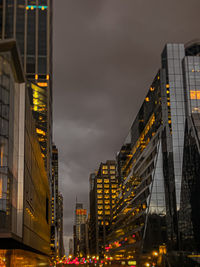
<point x="106" y="53"/>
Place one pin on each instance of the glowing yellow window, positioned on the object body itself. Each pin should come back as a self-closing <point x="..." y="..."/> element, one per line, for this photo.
<point x="107" y="212"/>
<point x="100" y="207"/>
<point x="106" y="180"/>
<point x="99" y="196"/>
<point x="99" y="180"/>
<point x="106" y="223"/>
<point x="100" y="201"/>
<point x="112" y="172"/>
<point x="194" y="94"/>
<point x="113" y="191"/>
<point x="113" y="202"/>
<point x="100" y="212"/>
<point x="147" y="99"/>
<point x="107" y="207"/>
<point x="113" y="196"/>
<point x="112" y="167"/>
<point x="112" y="177"/>
<point x="106" y="196"/>
<point x="106" y="191"/>
<point x="114" y="186"/>
<point x="106" y="185"/>
<point x="99" y="191"/>
<point x="99" y="185"/>
<point x="104" y="167"/>
<point x="107" y="201"/>
<point x="100" y="218"/>
<point x="105" y="172"/>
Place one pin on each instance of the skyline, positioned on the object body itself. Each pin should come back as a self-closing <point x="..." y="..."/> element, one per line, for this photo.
<point x="108" y="45"/>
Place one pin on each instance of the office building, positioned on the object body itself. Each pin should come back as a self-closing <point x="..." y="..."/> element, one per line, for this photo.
<point x="158" y="204"/>
<point x="30" y="23"/>
<point x="80" y="218"/>
<point x="102" y="200"/>
<point x="60" y="242"/>
<point x="54" y="201"/>
<point x="24" y="187"/>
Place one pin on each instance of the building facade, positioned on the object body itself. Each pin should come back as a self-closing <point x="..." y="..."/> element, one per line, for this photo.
<point x="103" y="191"/>
<point x="54" y="201"/>
<point x="60" y="242"/>
<point x="80" y="219"/>
<point x="30" y="23"/>
<point x="158" y="163"/>
<point x="24" y="188"/>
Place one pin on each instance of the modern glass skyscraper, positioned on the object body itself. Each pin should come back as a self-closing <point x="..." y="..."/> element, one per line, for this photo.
<point x="30" y="23"/>
<point x="159" y="163"/>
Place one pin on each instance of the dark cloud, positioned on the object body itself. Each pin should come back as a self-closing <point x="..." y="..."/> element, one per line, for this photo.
<point x="106" y="53"/>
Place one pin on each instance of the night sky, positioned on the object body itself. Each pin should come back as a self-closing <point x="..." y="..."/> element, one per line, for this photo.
<point x="106" y="54"/>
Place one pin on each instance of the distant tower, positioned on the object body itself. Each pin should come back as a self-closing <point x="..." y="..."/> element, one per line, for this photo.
<point x="80" y="218"/>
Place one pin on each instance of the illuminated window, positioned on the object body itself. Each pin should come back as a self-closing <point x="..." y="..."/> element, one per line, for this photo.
<point x="151" y="89"/>
<point x="99" y="185"/>
<point x="167" y="85"/>
<point x="107" y="212"/>
<point x="106" y="223"/>
<point x="194" y="94"/>
<point x="113" y="196"/>
<point x="99" y="191"/>
<point x="107" y="207"/>
<point x="106" y="185"/>
<point x="106" y="191"/>
<point x="112" y="167"/>
<point x="107" y="201"/>
<point x="99" y="196"/>
<point x="113" y="191"/>
<point x="100" y="207"/>
<point x="112" y="172"/>
<point x="100" y="218"/>
<point x="99" y="180"/>
<point x="106" y="180"/>
<point x="105" y="172"/>
<point x="104" y="167"/>
<point x="106" y="196"/>
<point x="113" y="202"/>
<point x="195" y="110"/>
<point x="112" y="177"/>
<point x="100" y="212"/>
<point x="114" y="186"/>
<point x="147" y="99"/>
<point x="100" y="201"/>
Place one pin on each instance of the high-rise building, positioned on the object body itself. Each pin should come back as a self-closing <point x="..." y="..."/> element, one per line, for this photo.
<point x="24" y="187"/>
<point x="158" y="204"/>
<point x="102" y="202"/>
<point x="54" y="200"/>
<point x="80" y="218"/>
<point x="30" y="23"/>
<point x="61" y="249"/>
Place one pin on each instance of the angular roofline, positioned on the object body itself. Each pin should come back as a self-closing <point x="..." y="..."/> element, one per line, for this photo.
<point x="10" y="45"/>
